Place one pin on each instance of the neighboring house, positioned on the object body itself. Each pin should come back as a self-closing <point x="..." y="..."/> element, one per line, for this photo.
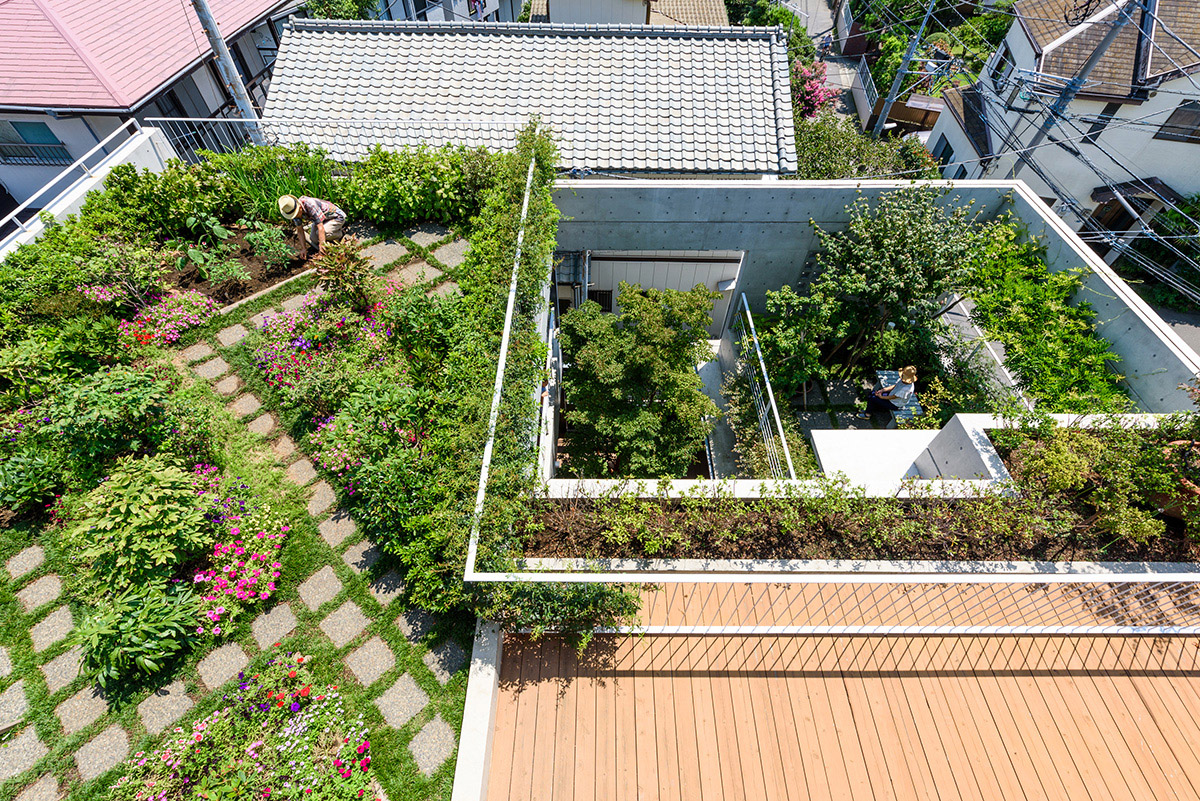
<point x="73" y="72"/>
<point x="1140" y="105"/>
<point x="449" y="10"/>
<point x="648" y="12"/>
<point x="622" y="99"/>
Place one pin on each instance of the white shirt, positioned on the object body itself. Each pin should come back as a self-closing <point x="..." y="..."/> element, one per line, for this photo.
<point x="901" y="391"/>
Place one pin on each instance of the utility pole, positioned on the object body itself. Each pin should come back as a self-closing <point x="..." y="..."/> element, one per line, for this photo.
<point x="1075" y="84"/>
<point x="913" y="44"/>
<point x="228" y="71"/>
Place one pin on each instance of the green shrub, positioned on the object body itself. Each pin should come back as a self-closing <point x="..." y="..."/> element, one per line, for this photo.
<point x="35" y="367"/>
<point x="137" y="635"/>
<point x="28" y="479"/>
<point x="270" y="243"/>
<point x="395" y="189"/>
<point x="259" y="176"/>
<point x="137" y="527"/>
<point x="162" y="203"/>
<point x="769" y="14"/>
<point x="829" y="147"/>
<point x="107" y="414"/>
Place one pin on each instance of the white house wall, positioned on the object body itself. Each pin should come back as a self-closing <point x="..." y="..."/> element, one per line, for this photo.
<point x="607" y="273"/>
<point x="632" y="12"/>
<point x="23" y="181"/>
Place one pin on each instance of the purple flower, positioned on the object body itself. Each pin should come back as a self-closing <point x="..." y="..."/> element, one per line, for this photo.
<point x="295" y="707"/>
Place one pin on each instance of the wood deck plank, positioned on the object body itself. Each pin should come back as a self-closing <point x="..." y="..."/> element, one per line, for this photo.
<point x="644" y="721"/>
<point x="588" y="768"/>
<point x="529" y="707"/>
<point x="733" y="783"/>
<point x="624" y="721"/>
<point x="504" y="740"/>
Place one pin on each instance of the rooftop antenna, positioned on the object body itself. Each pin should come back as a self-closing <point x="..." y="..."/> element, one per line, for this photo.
<point x="228" y="71"/>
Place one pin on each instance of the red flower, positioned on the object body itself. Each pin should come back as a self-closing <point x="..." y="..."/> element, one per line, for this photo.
<point x="304" y="692"/>
<point x="292" y="675"/>
<point x="279" y="704"/>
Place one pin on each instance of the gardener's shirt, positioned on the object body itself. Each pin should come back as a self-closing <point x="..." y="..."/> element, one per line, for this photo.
<point x="319" y="211"/>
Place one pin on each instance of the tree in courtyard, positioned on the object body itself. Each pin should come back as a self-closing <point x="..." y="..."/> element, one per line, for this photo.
<point x="638" y="409"/>
<point x="829" y="147"/>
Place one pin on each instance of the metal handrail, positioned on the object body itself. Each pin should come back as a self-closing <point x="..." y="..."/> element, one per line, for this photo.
<point x="41" y="154"/>
<point x="78" y="164"/>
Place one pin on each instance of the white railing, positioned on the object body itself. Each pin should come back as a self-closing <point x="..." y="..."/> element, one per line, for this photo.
<point x="752" y="367"/>
<point x="342" y="139"/>
<point x="863" y="72"/>
<point x="83" y="163"/>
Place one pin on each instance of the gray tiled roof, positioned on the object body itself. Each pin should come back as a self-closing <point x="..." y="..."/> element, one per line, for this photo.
<point x="621" y="98"/>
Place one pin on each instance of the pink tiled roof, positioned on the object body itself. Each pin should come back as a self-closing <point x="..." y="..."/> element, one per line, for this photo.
<point x="105" y="53"/>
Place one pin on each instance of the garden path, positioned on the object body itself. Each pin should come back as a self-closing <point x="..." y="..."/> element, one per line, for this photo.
<point x="400" y="656"/>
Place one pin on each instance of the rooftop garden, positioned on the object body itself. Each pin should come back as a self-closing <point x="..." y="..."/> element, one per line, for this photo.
<point x="188" y="614"/>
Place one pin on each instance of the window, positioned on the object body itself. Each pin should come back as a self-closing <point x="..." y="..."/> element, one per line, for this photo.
<point x="1100" y="122"/>
<point x="960" y="173"/>
<point x="942" y="151"/>
<point x="31" y="143"/>
<point x="602" y="296"/>
<point x="1001" y="68"/>
<point x="1183" y="125"/>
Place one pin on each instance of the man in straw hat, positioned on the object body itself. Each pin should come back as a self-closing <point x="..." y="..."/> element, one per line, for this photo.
<point x="891" y="399"/>
<point x="327" y="219"/>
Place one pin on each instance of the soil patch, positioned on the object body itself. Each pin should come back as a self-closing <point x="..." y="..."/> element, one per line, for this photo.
<point x="224" y="293"/>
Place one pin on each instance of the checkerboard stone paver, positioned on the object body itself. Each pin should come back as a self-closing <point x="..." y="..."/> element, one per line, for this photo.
<point x="300" y="472"/>
<point x="81" y="710"/>
<point x="260" y="320"/>
<point x="40" y="592"/>
<point x="415" y="624"/>
<point x="453" y="253"/>
<point x="44" y="789"/>
<point x="426" y="235"/>
<point x="232" y="335"/>
<point x="21" y="753"/>
<point x="201" y="350"/>
<point x="322" y="498"/>
<point x="6" y="666"/>
<point x="370" y="661"/>
<point x="221" y="665"/>
<point x="262" y="425"/>
<point x="415" y="273"/>
<point x="283" y="447"/>
<point x="293" y="303"/>
<point x="445" y="288"/>
<point x="105" y="751"/>
<point x="166" y="706"/>
<point x="335" y="529"/>
<point x="433" y="745"/>
<point x="383" y="253"/>
<point x="13" y="705"/>
<point x="321" y="587"/>
<point x="56" y="626"/>
<point x="213" y="368"/>
<point x="271" y="627"/>
<point x="362" y="556"/>
<point x="245" y="406"/>
<point x="229" y="385"/>
<point x="63" y="669"/>
<point x="28" y="559"/>
<point x="445" y="660"/>
<point x="344" y="623"/>
<point x="401" y="701"/>
<point x="387" y="588"/>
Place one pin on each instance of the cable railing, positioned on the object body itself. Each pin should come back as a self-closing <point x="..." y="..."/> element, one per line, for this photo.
<point x="868" y="83"/>
<point x="342" y="139"/>
<point x="753" y="369"/>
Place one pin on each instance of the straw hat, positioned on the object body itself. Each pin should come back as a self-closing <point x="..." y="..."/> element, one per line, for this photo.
<point x="289" y="207"/>
<point x="908" y="375"/>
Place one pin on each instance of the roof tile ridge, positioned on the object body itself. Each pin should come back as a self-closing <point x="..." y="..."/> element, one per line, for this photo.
<point x="302" y="25"/>
<point x="81" y="51"/>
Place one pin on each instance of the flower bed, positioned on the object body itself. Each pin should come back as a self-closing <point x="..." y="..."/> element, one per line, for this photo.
<point x="276" y="737"/>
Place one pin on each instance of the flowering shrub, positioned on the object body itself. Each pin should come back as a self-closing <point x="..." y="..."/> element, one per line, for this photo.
<point x="276" y="737"/>
<point x="244" y="571"/>
<point x="163" y="322"/>
<point x="102" y="293"/>
<point x="809" y="91"/>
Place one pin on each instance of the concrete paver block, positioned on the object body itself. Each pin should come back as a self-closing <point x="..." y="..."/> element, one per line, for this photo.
<point x="300" y="472"/>
<point x="283" y="447"/>
<point x="426" y="235"/>
<point x="362" y="556"/>
<point x="321" y="587"/>
<point x="229" y="385"/>
<point x="445" y="660"/>
<point x="44" y="789"/>
<point x="104" y="752"/>
<point x="322" y="498"/>
<point x="401" y="701"/>
<point x="201" y="350"/>
<point x="24" y="561"/>
<point x="262" y="425"/>
<point x="370" y="661"/>
<point x="245" y="406"/>
<point x="13" y="705"/>
<point x="40" y="592"/>
<point x="21" y="753"/>
<point x="433" y="745"/>
<point x="54" y="627"/>
<point x="271" y="627"/>
<point x="335" y="529"/>
<point x="344" y="623"/>
<point x="221" y="665"/>
<point x="81" y="710"/>
<point x="387" y="588"/>
<point x="213" y="368"/>
<point x="416" y="624"/>
<point x="167" y="705"/>
<point x="232" y="335"/>
<point x="63" y="669"/>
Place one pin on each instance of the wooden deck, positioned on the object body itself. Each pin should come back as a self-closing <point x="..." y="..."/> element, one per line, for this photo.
<point x="678" y="717"/>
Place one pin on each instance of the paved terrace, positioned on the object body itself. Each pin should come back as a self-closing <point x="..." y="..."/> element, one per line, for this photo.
<point x="824" y="717"/>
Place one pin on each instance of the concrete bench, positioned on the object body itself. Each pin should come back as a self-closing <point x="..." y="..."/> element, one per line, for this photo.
<point x="912" y="406"/>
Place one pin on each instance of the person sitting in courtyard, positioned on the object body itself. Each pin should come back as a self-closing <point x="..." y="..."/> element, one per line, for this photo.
<point x="893" y="398"/>
<point x="326" y="220"/>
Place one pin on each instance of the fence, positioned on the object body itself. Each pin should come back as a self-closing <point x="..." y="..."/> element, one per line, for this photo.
<point x="863" y="71"/>
<point x="342" y="139"/>
<point x="35" y="155"/>
<point x="751" y="366"/>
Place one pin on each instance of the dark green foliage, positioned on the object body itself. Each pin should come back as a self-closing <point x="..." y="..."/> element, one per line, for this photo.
<point x="638" y="409"/>
<point x="342" y="9"/>
<point x="767" y="13"/>
<point x="395" y="189"/>
<point x="32" y="368"/>
<point x="270" y="243"/>
<point x="1049" y="342"/>
<point x="106" y="414"/>
<point x="27" y="479"/>
<point x="137" y="527"/>
<point x="161" y="204"/>
<point x="829" y="147"/>
<point x="137" y="635"/>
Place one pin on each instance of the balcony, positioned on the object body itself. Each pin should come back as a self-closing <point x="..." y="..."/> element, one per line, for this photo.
<point x="34" y="155"/>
